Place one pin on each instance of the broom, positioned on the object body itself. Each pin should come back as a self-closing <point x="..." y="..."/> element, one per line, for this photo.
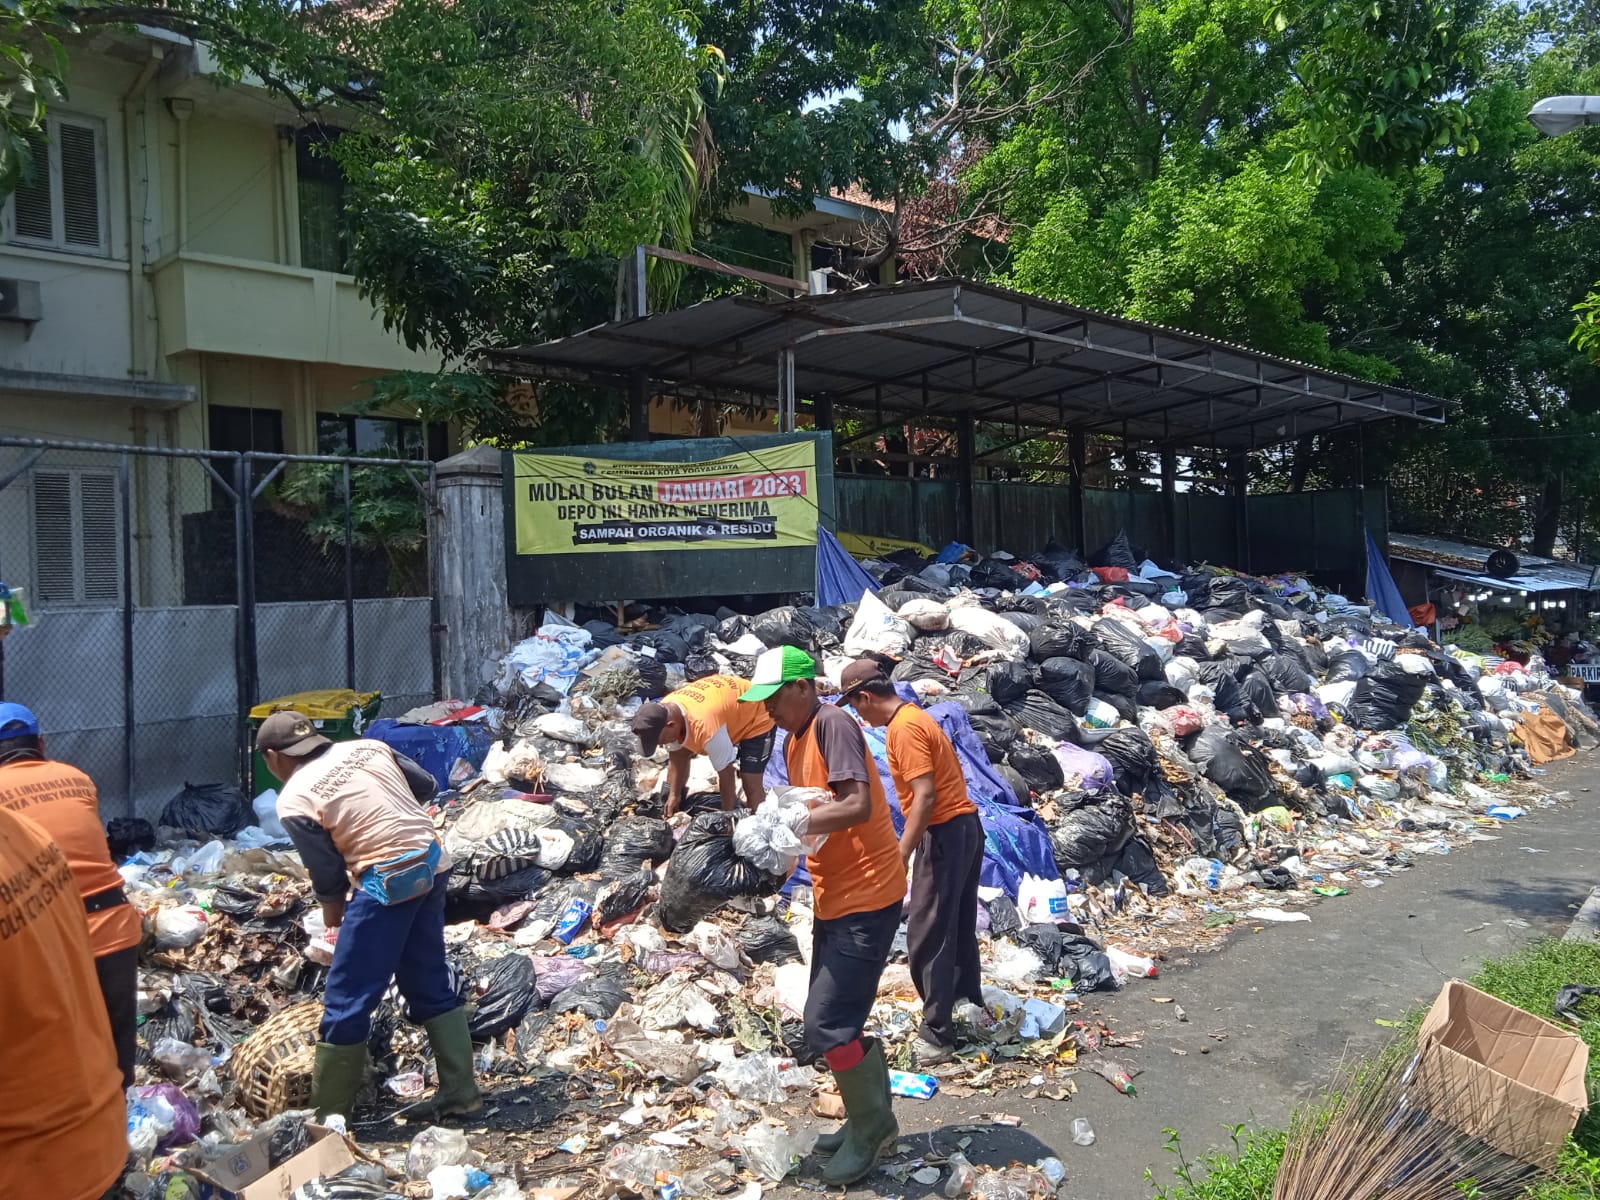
<point x="1384" y="1131"/>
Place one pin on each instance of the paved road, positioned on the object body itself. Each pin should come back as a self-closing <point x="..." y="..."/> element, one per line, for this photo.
<point x="1293" y="998"/>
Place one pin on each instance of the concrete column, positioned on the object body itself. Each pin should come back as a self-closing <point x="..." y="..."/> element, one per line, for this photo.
<point x="469" y="544"/>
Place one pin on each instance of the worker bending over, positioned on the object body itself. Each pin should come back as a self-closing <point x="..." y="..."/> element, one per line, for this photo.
<point x="705" y="717"/>
<point x="63" y="802"/>
<point x="353" y="810"/>
<point x="943" y="831"/>
<point x="858" y="886"/>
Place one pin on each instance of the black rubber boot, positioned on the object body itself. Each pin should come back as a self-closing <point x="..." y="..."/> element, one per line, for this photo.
<point x="870" y="1127"/>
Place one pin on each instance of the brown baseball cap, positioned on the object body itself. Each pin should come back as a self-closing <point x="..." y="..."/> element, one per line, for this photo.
<point x="648" y="724"/>
<point x="290" y="733"/>
<point x="862" y="671"/>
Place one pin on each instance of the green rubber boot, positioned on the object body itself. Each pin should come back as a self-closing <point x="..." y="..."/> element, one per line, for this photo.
<point x="870" y="1127"/>
<point x="829" y="1143"/>
<point x="452" y="1054"/>
<point x="337" y="1074"/>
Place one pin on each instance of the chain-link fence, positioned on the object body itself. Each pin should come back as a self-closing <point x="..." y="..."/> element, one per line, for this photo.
<point x="171" y="590"/>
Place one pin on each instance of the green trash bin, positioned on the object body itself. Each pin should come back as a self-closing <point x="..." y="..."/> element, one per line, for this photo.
<point x="338" y="713"/>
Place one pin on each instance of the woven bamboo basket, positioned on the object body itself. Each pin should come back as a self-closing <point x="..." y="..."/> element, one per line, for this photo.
<point x="272" y="1067"/>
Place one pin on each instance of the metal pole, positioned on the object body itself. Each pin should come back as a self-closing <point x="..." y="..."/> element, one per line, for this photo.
<point x="966" y="451"/>
<point x="638" y="407"/>
<point x="1076" y="453"/>
<point x="435" y="624"/>
<point x="125" y="491"/>
<point x="1169" y="499"/>
<point x="247" y="558"/>
<point x="241" y="632"/>
<point x="349" y="587"/>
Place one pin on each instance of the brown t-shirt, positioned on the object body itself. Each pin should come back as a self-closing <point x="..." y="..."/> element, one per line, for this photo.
<point x="352" y="807"/>
<point x="61" y="799"/>
<point x="918" y="747"/>
<point x="858" y="869"/>
<point x="63" y="1129"/>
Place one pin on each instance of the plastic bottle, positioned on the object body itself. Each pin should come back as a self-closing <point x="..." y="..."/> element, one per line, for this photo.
<point x="1129" y="963"/>
<point x="961" y="1178"/>
<point x="1082" y="1132"/>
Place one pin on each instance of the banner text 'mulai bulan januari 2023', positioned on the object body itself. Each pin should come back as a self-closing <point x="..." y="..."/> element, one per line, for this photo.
<point x="572" y="505"/>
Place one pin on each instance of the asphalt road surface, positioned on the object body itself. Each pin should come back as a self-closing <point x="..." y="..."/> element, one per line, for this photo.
<point x="1271" y="1015"/>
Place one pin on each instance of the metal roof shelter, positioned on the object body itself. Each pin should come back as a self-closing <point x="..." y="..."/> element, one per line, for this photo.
<point x="1465" y="563"/>
<point x="973" y="351"/>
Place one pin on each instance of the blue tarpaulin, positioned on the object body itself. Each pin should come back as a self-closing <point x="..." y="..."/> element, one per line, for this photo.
<point x="840" y="578"/>
<point x="1381" y="589"/>
<point x="1015" y="841"/>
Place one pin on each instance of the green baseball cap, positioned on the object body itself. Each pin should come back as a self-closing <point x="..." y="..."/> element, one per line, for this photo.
<point x="776" y="667"/>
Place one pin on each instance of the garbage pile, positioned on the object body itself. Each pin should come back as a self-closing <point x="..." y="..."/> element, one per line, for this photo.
<point x="1155" y="755"/>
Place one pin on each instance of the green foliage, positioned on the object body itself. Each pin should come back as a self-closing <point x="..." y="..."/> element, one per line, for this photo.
<point x="1245" y="1174"/>
<point x="33" y="71"/>
<point x="1586" y="333"/>
<point x="388" y="515"/>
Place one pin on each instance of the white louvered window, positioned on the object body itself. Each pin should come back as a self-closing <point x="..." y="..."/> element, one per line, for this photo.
<point x="76" y="537"/>
<point x="63" y="205"/>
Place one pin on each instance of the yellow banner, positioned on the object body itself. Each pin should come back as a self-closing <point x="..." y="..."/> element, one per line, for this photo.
<point x="866" y="545"/>
<point x="761" y="500"/>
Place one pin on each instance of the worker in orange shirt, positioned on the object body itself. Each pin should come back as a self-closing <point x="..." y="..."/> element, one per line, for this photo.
<point x="705" y="717"/>
<point x="858" y="886"/>
<point x="943" y="830"/>
<point x="62" y="800"/>
<point x="64" y="1131"/>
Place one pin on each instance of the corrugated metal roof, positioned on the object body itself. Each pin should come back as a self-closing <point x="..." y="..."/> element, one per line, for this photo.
<point x="944" y="347"/>
<point x="1465" y="561"/>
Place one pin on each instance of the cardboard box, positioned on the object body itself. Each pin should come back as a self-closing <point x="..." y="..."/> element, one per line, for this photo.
<point x="1500" y="1074"/>
<point x="245" y="1173"/>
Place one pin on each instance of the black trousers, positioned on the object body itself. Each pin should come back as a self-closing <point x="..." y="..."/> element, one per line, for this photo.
<point x="848" y="955"/>
<point x="119" y="985"/>
<point x="942" y="931"/>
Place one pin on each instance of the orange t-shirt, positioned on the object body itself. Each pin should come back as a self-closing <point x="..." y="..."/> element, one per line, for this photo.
<point x="61" y="799"/>
<point x="65" y="1132"/>
<point x="711" y="704"/>
<point x="917" y="747"/>
<point x="858" y="869"/>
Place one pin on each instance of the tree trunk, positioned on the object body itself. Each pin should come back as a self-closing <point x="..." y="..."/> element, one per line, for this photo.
<point x="1547" y="521"/>
<point x="1303" y="450"/>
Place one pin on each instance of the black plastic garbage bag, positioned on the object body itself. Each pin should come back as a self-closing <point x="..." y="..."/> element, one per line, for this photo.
<point x="768" y="940"/>
<point x="1234" y="766"/>
<point x="786" y="626"/>
<point x="622" y="896"/>
<point x="1070" y="955"/>
<point x="638" y="839"/>
<point x="652" y="674"/>
<point x="1058" y="641"/>
<point x="1229" y="701"/>
<point x="1069" y="682"/>
<point x="504" y="997"/>
<point x="1127" y="708"/>
<point x="1037" y="766"/>
<point x="207" y="810"/>
<point x="996" y="731"/>
<point x="1288" y="674"/>
<point x="1136" y="861"/>
<point x="1128" y="647"/>
<point x="1385" y="698"/>
<point x="1160" y="695"/>
<point x="1258" y="692"/>
<point x="1057" y="563"/>
<point x="703" y="872"/>
<point x="1036" y="711"/>
<point x="997" y="573"/>
<point x="1133" y="760"/>
<point x="1009" y="682"/>
<point x="1097" y="824"/>
<point x="698" y="665"/>
<point x="1004" y="919"/>
<point x="1111" y="674"/>
<point x="733" y="628"/>
<point x="1118" y="552"/>
<point x="1346" y="666"/>
<point x="126" y="836"/>
<point x="588" y="845"/>
<point x="669" y="646"/>
<point x="1230" y="594"/>
<point x="597" y="997"/>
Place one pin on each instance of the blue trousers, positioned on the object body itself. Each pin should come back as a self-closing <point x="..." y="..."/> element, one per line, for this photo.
<point x="377" y="943"/>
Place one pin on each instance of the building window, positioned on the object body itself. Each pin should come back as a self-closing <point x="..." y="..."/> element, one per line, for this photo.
<point x="63" y="205"/>
<point x="323" y="244"/>
<point x="240" y="430"/>
<point x="380" y="437"/>
<point x="76" y="537"/>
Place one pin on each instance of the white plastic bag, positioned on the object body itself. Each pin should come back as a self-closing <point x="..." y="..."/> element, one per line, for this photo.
<point x="563" y="728"/>
<point x="989" y="628"/>
<point x="179" y="927"/>
<point x="876" y="629"/>
<point x="266" y="808"/>
<point x="1041" y="901"/>
<point x="774" y="836"/>
<point x="771" y="1151"/>
<point x="928" y="616"/>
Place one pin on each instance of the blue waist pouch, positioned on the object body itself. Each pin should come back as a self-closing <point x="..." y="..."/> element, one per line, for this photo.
<point x="402" y="879"/>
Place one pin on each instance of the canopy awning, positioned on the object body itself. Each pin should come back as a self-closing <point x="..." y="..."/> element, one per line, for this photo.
<point x="956" y="348"/>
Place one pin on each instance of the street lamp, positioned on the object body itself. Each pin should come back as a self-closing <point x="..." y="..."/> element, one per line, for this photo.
<point x="1555" y="115"/>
